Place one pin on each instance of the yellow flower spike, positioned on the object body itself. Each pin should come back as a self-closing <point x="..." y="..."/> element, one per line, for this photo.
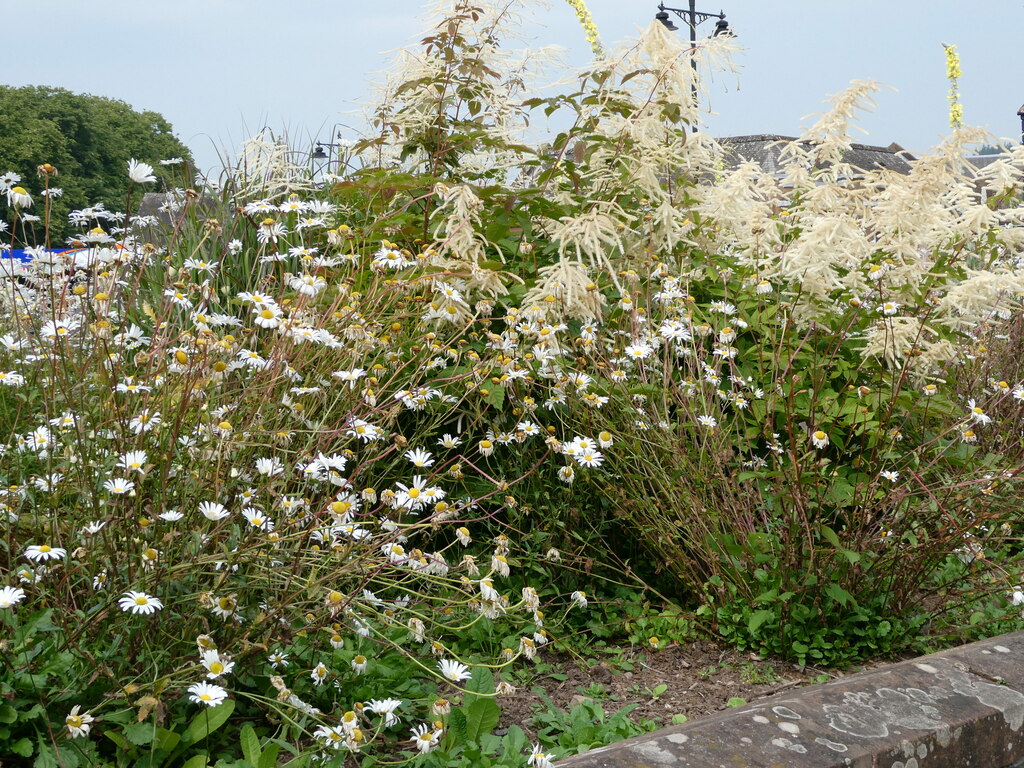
<point x="956" y="110"/>
<point x="589" y="27"/>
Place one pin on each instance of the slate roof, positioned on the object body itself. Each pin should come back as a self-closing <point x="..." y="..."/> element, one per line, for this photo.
<point x="765" y="149"/>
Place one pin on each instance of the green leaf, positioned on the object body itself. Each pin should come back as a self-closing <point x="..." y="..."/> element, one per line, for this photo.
<point x="8" y="714"/>
<point x="208" y="721"/>
<point x="139" y="733"/>
<point x="166" y="740"/>
<point x="840" y="595"/>
<point x="481" y="717"/>
<point x="118" y="739"/>
<point x="250" y="744"/>
<point x="199" y="761"/>
<point x="736" y="701"/>
<point x="831" y="536"/>
<point x="269" y="757"/>
<point x="482" y="682"/>
<point x="47" y="758"/>
<point x="22" y="747"/>
<point x="757" y="618"/>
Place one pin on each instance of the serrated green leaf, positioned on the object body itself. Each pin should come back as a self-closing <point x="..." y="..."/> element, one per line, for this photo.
<point x="8" y="714"/>
<point x="139" y="733"/>
<point x="47" y="758"/>
<point x="23" y="747"/>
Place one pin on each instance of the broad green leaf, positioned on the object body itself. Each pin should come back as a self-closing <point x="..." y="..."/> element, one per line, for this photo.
<point x="199" y="761"/>
<point x="840" y="595"/>
<point x="250" y="744"/>
<point x="757" y="618"/>
<point x="167" y="740"/>
<point x="481" y="717"/>
<point x="269" y="757"/>
<point x="208" y="721"/>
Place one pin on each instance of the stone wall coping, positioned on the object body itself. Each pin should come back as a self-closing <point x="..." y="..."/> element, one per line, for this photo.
<point x="959" y="708"/>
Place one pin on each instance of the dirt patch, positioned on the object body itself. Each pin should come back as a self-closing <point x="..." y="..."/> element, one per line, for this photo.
<point x="689" y="680"/>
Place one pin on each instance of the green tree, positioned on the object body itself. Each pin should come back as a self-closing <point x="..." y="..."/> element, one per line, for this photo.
<point x="89" y="139"/>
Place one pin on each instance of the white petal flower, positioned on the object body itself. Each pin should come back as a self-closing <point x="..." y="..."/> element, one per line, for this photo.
<point x="140" y="173"/>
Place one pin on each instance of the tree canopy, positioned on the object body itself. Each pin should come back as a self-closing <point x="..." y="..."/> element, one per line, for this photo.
<point x="89" y="139"/>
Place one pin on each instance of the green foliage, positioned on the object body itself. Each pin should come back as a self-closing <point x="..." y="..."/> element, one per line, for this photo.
<point x="89" y="139"/>
<point x="586" y="725"/>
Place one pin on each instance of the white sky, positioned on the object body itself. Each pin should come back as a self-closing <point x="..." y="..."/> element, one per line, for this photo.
<point x="218" y="70"/>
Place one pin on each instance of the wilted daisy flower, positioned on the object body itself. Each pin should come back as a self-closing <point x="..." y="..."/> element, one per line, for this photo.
<point x="425" y="738"/>
<point x="385" y="707"/>
<point x="977" y="414"/>
<point x="278" y="659"/>
<point x="144" y="421"/>
<point x="331" y="737"/>
<point x="207" y="693"/>
<point x="269" y="466"/>
<point x="359" y="663"/>
<point x="78" y="725"/>
<point x="579" y="598"/>
<point x="819" y="439"/>
<point x="539" y="759"/>
<point x="319" y="674"/>
<point x="139" y="602"/>
<point x="18" y="197"/>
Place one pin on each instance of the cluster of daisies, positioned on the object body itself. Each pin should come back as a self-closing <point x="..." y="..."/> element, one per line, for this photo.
<point x="324" y="413"/>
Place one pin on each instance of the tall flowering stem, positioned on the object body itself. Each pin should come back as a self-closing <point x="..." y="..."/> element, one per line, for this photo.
<point x="589" y="27"/>
<point x="956" y="110"/>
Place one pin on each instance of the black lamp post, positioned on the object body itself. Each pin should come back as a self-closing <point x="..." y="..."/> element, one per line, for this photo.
<point x="319" y="152"/>
<point x="693" y="17"/>
<point x="1020" y="114"/>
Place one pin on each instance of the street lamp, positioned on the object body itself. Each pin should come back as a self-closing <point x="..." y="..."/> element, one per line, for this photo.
<point x="319" y="152"/>
<point x="693" y="17"/>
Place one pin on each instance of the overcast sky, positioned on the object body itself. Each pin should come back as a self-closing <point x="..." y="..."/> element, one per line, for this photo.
<point x="221" y="69"/>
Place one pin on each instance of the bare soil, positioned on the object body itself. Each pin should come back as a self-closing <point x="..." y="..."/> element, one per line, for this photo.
<point x="701" y="677"/>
